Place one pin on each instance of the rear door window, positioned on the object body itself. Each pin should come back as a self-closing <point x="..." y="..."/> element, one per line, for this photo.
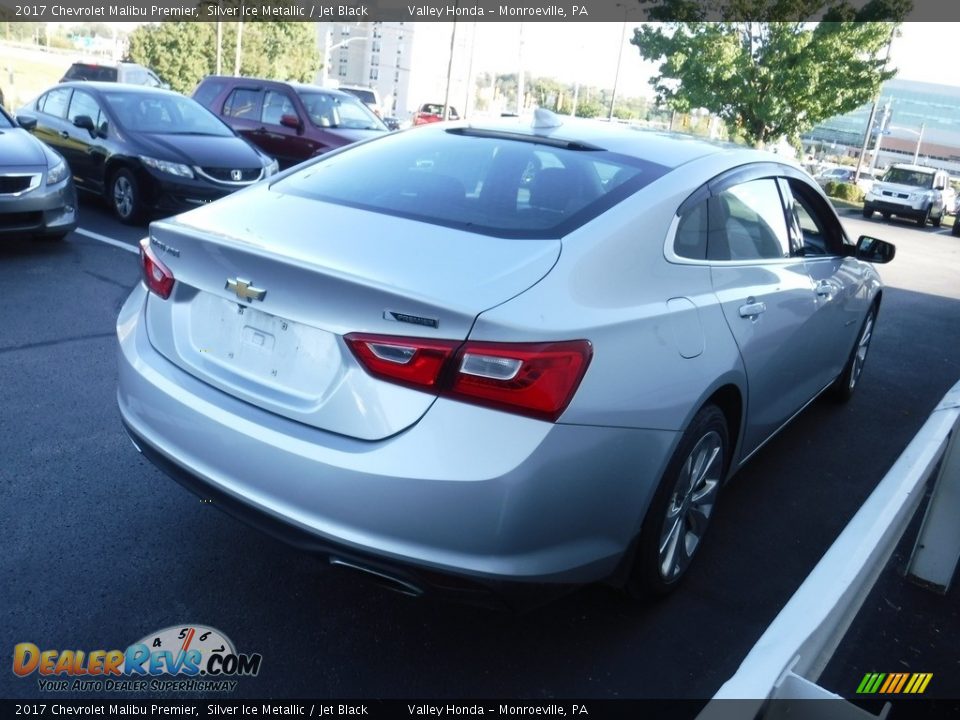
<point x="747" y="222"/>
<point x="55" y="102"/>
<point x="243" y="104"/>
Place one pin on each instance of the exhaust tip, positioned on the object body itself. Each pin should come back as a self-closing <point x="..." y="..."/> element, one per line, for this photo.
<point x="390" y="582"/>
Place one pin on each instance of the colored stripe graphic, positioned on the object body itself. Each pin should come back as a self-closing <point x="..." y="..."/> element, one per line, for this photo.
<point x="894" y="683"/>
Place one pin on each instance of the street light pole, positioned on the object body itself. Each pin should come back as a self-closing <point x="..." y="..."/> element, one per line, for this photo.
<point x="916" y="153"/>
<point x="616" y="77"/>
<point x="873" y="111"/>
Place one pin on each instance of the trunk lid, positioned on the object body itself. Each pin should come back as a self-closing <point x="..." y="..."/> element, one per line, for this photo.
<point x="326" y="270"/>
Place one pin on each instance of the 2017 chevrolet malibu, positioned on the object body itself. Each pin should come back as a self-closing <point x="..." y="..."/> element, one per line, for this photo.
<point x="144" y="149"/>
<point x="483" y="357"/>
<point x="37" y="196"/>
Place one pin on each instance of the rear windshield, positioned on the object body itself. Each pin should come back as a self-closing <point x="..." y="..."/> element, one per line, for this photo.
<point x="93" y="73"/>
<point x="494" y="185"/>
<point x="902" y="176"/>
<point x="366" y="96"/>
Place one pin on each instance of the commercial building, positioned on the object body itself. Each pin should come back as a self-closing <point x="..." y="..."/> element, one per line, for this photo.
<point x="919" y="120"/>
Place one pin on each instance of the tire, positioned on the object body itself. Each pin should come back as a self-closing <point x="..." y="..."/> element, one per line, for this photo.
<point x="955" y="230"/>
<point x="125" y="197"/>
<point x="679" y="514"/>
<point x="867" y="212"/>
<point x="937" y="221"/>
<point x="922" y="220"/>
<point x="846" y="383"/>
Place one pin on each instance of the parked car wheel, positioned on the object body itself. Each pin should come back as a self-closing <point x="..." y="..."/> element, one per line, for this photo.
<point x="682" y="506"/>
<point x="922" y="220"/>
<point x="845" y="384"/>
<point x="938" y="220"/>
<point x="125" y="196"/>
<point x="955" y="230"/>
<point x="867" y="212"/>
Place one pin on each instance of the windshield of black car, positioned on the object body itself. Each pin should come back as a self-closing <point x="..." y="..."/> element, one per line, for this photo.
<point x="164" y="114"/>
<point x="334" y="111"/>
<point x="494" y="185"/>
<point x="902" y="176"/>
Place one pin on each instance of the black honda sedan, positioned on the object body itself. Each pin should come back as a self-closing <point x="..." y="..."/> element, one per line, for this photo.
<point x="145" y="150"/>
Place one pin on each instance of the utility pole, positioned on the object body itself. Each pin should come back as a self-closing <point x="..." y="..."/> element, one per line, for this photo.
<point x="916" y="153"/>
<point x="873" y="112"/>
<point x="446" y="95"/>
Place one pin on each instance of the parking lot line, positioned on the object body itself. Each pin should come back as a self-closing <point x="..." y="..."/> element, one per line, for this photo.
<point x="107" y="240"/>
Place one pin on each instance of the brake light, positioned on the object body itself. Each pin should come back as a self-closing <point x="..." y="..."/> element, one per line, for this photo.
<point x="534" y="379"/>
<point x="156" y="275"/>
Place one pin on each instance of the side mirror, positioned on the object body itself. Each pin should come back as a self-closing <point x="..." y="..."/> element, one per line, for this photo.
<point x="85" y="122"/>
<point x="873" y="250"/>
<point x="290" y="121"/>
<point x="27" y="122"/>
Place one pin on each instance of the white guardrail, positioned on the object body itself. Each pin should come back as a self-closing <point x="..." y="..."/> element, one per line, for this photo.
<point x="789" y="657"/>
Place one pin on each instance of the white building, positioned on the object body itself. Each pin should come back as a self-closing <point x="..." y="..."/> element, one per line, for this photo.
<point x="369" y="54"/>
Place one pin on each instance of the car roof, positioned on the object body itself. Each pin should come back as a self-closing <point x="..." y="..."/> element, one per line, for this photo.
<point x="280" y="83"/>
<point x="914" y="168"/>
<point x="669" y="149"/>
<point x="100" y="87"/>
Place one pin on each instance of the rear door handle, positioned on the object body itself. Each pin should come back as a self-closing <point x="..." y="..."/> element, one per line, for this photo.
<point x="64" y="134"/>
<point x="752" y="309"/>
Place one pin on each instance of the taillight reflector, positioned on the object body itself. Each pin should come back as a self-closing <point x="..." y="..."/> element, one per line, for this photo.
<point x="535" y="379"/>
<point x="156" y="275"/>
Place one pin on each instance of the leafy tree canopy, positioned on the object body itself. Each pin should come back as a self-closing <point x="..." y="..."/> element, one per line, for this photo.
<point x="775" y="78"/>
<point x="182" y="53"/>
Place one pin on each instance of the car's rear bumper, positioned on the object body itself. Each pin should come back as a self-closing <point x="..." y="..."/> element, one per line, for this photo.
<point x="488" y="497"/>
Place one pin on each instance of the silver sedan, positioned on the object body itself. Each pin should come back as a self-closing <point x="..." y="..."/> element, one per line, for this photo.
<point x="478" y="358"/>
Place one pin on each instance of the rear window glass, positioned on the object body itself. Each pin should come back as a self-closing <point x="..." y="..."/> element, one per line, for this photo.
<point x="481" y="183"/>
<point x="98" y="73"/>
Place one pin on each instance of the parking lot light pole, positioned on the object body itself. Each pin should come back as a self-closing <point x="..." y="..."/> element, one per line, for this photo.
<point x="916" y="153"/>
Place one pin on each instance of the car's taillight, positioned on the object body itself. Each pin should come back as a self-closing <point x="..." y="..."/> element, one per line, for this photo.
<point x="156" y="275"/>
<point x="535" y="379"/>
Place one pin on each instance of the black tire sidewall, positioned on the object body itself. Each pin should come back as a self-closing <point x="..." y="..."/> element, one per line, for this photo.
<point x="645" y="579"/>
<point x="132" y="179"/>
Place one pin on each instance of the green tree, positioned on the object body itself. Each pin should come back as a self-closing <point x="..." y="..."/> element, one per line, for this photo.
<point x="181" y="53"/>
<point x="767" y="80"/>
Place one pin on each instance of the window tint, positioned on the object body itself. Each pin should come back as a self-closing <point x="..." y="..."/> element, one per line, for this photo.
<point x="208" y="91"/>
<point x="55" y="102"/>
<point x="335" y="111"/>
<point x="691" y="238"/>
<point x="243" y="103"/>
<point x="163" y="113"/>
<point x="83" y="104"/>
<point x="817" y="230"/>
<point x="903" y="176"/>
<point x="275" y="106"/>
<point x="99" y="73"/>
<point x="487" y="184"/>
<point x="748" y="223"/>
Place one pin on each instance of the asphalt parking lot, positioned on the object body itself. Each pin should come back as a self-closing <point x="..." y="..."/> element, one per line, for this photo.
<point x="103" y="549"/>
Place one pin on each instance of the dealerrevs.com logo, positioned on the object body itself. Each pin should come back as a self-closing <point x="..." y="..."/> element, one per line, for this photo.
<point x="181" y="658"/>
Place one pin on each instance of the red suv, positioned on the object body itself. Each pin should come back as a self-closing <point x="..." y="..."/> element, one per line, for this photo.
<point x="431" y="113"/>
<point x="289" y="121"/>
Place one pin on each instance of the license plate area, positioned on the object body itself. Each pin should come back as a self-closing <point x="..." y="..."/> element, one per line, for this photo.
<point x="256" y="352"/>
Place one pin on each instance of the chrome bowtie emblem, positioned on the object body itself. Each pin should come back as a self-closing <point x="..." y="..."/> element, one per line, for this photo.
<point x="237" y="175"/>
<point x="244" y="290"/>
